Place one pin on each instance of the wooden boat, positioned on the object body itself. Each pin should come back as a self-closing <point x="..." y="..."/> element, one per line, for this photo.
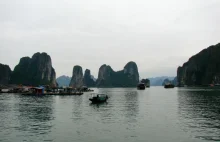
<point x="169" y="86"/>
<point x="98" y="98"/>
<point x="141" y="86"/>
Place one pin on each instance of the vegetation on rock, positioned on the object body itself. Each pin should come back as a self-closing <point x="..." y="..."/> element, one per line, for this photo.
<point x="202" y="68"/>
<point x="128" y="77"/>
<point x="5" y="74"/>
<point x="34" y="71"/>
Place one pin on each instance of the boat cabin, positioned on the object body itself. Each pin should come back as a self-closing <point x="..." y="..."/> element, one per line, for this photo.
<point x="37" y="90"/>
<point x="98" y="95"/>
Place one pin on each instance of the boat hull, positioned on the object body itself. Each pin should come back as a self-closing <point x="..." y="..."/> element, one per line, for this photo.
<point x="98" y="100"/>
<point x="141" y="88"/>
<point x="169" y="86"/>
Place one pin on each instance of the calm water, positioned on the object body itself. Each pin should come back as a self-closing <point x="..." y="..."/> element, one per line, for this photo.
<point x="153" y="115"/>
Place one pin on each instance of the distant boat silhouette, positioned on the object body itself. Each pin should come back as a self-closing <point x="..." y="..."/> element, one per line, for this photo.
<point x="141" y="86"/>
<point x="169" y="85"/>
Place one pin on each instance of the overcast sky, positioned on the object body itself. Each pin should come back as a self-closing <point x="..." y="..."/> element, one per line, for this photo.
<point x="159" y="35"/>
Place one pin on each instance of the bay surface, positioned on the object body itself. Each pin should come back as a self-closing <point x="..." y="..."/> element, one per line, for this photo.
<point x="130" y="115"/>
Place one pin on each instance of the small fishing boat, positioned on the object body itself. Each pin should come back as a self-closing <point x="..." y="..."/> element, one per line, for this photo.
<point x="141" y="86"/>
<point x="169" y="85"/>
<point x="98" y="98"/>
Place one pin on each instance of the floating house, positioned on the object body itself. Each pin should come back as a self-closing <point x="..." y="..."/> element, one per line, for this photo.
<point x="38" y="90"/>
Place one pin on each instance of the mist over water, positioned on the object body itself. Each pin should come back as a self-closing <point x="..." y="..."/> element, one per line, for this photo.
<point x="155" y="114"/>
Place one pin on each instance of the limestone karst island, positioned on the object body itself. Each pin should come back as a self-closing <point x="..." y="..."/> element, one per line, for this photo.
<point x="202" y="69"/>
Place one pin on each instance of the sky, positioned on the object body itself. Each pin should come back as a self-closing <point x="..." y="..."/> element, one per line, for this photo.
<point x="159" y="35"/>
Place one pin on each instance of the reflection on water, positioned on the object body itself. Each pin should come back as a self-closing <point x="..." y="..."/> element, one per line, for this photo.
<point x="199" y="112"/>
<point x="98" y="105"/>
<point x="76" y="108"/>
<point x="35" y="113"/>
<point x="6" y="119"/>
<point x="30" y="117"/>
<point x="129" y="115"/>
<point x="131" y="106"/>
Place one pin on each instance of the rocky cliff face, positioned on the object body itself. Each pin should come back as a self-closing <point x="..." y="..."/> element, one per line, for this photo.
<point x="87" y="79"/>
<point x="174" y="81"/>
<point x="77" y="77"/>
<point x="104" y="76"/>
<point x="35" y="71"/>
<point x="201" y="69"/>
<point x="128" y="77"/>
<point x="5" y="74"/>
<point x="131" y="71"/>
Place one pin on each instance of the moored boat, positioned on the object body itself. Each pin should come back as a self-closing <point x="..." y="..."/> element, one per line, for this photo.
<point x="98" y="98"/>
<point x="169" y="85"/>
<point x="141" y="86"/>
<point x="40" y="91"/>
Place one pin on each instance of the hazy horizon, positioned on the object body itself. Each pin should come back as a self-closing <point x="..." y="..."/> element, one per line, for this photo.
<point x="158" y="35"/>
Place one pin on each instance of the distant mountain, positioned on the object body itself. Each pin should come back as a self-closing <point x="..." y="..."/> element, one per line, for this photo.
<point x="93" y="78"/>
<point x="63" y="80"/>
<point x="158" y="81"/>
<point x="166" y="81"/>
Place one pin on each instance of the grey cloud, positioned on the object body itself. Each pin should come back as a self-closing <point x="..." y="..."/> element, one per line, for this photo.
<point x="158" y="35"/>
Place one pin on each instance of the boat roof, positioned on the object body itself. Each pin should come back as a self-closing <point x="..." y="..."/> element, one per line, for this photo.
<point x="38" y="88"/>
